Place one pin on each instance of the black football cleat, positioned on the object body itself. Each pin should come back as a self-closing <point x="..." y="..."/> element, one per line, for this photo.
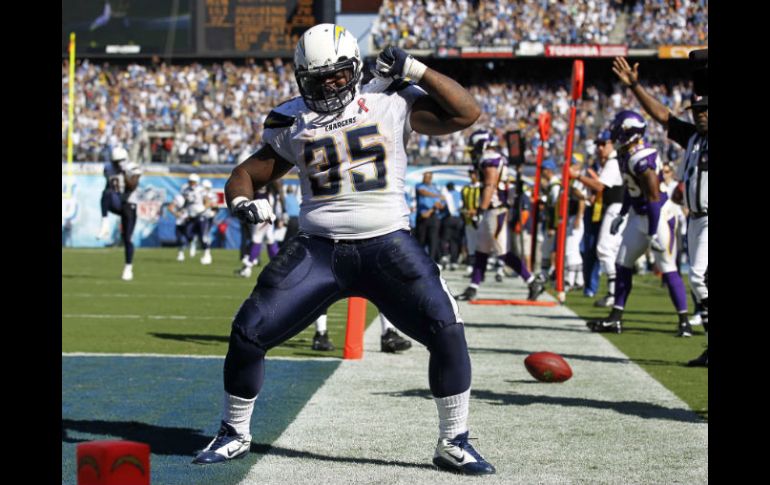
<point x="392" y="342"/>
<point x="605" y="326"/>
<point x="536" y="288"/>
<point x="685" y="330"/>
<point x="467" y="295"/>
<point x="321" y="342"/>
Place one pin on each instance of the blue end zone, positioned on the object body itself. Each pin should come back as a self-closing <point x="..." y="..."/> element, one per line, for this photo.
<point x="175" y="405"/>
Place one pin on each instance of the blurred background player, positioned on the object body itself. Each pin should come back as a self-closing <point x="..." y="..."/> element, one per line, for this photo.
<point x="591" y="224"/>
<point x="651" y="222"/>
<point x="262" y="232"/>
<point x="119" y="198"/>
<point x="210" y="201"/>
<point x="430" y="203"/>
<point x="390" y="340"/>
<point x="471" y="194"/>
<point x="576" y="204"/>
<point x="693" y="170"/>
<point x="550" y="195"/>
<point x="451" y="227"/>
<point x="177" y="208"/>
<point x="609" y="191"/>
<point x="195" y="206"/>
<point x="493" y="226"/>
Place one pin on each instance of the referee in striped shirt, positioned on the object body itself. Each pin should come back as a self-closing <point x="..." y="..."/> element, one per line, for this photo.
<point x="693" y="172"/>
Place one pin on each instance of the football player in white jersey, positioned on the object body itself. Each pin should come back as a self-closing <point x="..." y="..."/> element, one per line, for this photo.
<point x="210" y="201"/>
<point x="347" y="141"/>
<point x="119" y="197"/>
<point x="651" y="222"/>
<point x="176" y="208"/>
<point x="195" y="205"/>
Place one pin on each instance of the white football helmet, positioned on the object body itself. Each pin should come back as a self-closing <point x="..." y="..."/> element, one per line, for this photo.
<point x="194" y="178"/>
<point x="119" y="154"/>
<point x="322" y="51"/>
<point x="206" y="184"/>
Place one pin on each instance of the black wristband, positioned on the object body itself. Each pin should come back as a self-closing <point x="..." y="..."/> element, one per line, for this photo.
<point x="633" y="84"/>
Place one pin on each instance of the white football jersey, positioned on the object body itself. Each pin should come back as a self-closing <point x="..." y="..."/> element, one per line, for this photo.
<point x="181" y="213"/>
<point x="193" y="197"/>
<point x="352" y="166"/>
<point x="211" y="197"/>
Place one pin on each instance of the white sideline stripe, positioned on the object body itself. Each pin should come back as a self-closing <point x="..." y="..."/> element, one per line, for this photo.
<point x="151" y="317"/>
<point x="156" y="295"/>
<point x="373" y="421"/>
<point x="159" y="317"/>
<point x="181" y="356"/>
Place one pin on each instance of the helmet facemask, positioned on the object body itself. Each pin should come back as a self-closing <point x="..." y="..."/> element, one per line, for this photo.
<point x="324" y="97"/>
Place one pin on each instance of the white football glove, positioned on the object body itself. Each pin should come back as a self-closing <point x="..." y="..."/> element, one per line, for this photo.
<point x="253" y="211"/>
<point x="655" y="243"/>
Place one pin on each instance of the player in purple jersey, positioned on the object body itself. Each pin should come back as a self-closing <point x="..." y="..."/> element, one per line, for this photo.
<point x="493" y="231"/>
<point x="651" y="222"/>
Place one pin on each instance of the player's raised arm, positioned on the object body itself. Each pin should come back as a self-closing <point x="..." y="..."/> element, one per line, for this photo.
<point x="630" y="78"/>
<point x="448" y="107"/>
<point x="255" y="172"/>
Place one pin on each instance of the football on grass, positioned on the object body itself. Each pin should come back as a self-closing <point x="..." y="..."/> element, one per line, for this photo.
<point x="548" y="367"/>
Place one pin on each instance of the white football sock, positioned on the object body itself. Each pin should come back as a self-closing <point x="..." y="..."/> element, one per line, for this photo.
<point x="453" y="414"/>
<point x="320" y="324"/>
<point x="237" y="413"/>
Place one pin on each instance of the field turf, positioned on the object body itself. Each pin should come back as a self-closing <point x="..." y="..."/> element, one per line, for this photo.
<point x="170" y="307"/>
<point x="649" y="326"/>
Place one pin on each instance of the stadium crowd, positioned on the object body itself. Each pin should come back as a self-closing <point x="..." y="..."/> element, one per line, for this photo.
<point x="427" y="24"/>
<point x="213" y="114"/>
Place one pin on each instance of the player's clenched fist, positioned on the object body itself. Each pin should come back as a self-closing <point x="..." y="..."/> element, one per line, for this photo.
<point x="397" y="64"/>
<point x="252" y="211"/>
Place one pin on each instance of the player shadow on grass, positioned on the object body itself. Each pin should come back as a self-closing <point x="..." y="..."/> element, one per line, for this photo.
<point x="643" y="410"/>
<point x="589" y="358"/>
<point x="191" y="338"/>
<point x="266" y="449"/>
<point x="163" y="440"/>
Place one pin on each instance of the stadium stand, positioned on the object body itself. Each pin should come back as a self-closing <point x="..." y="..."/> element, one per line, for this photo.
<point x="213" y="114"/>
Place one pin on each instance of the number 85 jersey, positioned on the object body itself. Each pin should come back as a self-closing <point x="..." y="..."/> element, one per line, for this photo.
<point x="352" y="166"/>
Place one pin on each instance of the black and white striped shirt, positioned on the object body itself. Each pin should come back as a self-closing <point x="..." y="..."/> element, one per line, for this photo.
<point x="693" y="170"/>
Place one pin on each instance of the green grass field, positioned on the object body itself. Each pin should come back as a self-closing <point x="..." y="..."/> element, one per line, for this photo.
<point x="170" y="307"/>
<point x="186" y="308"/>
<point x="648" y="338"/>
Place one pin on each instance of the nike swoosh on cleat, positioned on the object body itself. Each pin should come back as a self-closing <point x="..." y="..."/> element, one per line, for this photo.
<point x="230" y="453"/>
<point x="458" y="460"/>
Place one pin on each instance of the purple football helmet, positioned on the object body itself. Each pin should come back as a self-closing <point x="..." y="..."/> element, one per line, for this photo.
<point x="627" y="127"/>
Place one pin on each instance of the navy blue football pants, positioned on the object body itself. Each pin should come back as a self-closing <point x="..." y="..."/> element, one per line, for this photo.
<point x="115" y="203"/>
<point x="310" y="273"/>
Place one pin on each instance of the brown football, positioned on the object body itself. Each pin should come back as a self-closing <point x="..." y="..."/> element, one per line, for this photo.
<point x="548" y="367"/>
